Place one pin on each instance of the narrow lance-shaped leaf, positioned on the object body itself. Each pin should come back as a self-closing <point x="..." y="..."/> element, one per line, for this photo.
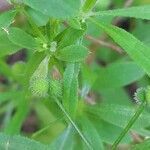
<point x="119" y="97"/>
<point x="64" y="141"/>
<point x="15" y="124"/>
<point x="56" y="8"/>
<point x="105" y="128"/>
<point x="5" y="70"/>
<point x="139" y="52"/>
<point x="73" y="34"/>
<point x="9" y="95"/>
<point x="91" y="133"/>
<point x="74" y="23"/>
<point x="119" y="115"/>
<point x="7" y="18"/>
<point x="70" y="88"/>
<point x="8" y="142"/>
<point x="21" y="38"/>
<point x="72" y="122"/>
<point x="73" y="53"/>
<point x="33" y="64"/>
<point x="88" y="5"/>
<point x="118" y="75"/>
<point x="144" y="145"/>
<point x="6" y="46"/>
<point x="39" y="18"/>
<point x="142" y="12"/>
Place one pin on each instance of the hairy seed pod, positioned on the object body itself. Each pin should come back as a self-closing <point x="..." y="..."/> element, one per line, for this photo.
<point x="139" y="95"/>
<point x="142" y="94"/>
<point x="56" y="88"/>
<point x="39" y="87"/>
<point x="39" y="84"/>
<point x="147" y="94"/>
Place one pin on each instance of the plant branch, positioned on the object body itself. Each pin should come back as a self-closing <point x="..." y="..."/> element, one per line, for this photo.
<point x="104" y="43"/>
<point x="128" y="3"/>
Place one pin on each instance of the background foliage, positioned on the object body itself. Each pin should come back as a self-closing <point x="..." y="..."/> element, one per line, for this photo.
<point x="74" y="74"/>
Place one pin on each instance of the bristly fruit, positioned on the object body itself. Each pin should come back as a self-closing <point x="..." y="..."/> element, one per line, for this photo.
<point x="56" y="88"/>
<point x="142" y="94"/>
<point x="39" y="83"/>
<point x="147" y="94"/>
<point x="39" y="87"/>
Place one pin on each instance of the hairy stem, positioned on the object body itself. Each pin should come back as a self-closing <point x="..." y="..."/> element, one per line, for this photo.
<point x="129" y="125"/>
<point x="74" y="125"/>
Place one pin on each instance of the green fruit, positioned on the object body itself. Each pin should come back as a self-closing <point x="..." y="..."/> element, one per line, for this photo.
<point x="147" y="94"/>
<point x="139" y="95"/>
<point x="143" y="94"/>
<point x="39" y="87"/>
<point x="55" y="88"/>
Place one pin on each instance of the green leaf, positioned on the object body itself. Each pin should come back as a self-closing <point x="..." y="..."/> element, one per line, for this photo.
<point x="144" y="35"/>
<point x="139" y="52"/>
<point x="119" y="115"/>
<point x="39" y="18"/>
<point x="72" y="122"/>
<point x="89" y="132"/>
<point x="70" y="88"/>
<point x="104" y="129"/>
<point x="73" y="53"/>
<point x="17" y="142"/>
<point x="142" y="146"/>
<point x="121" y="97"/>
<point x="88" y="75"/>
<point x="15" y="124"/>
<point x="18" y="71"/>
<point x="64" y="141"/>
<point x="32" y="64"/>
<point x="74" y="23"/>
<point x="6" y="46"/>
<point x="5" y="70"/>
<point x="60" y="9"/>
<point x="21" y="38"/>
<point x="88" y="5"/>
<point x="142" y="12"/>
<point x="118" y="75"/>
<point x="144" y="132"/>
<point x="73" y="34"/>
<point x="9" y="95"/>
<point x="7" y="18"/>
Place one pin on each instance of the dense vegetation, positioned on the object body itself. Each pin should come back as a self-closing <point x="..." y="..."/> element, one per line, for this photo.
<point x="74" y="75"/>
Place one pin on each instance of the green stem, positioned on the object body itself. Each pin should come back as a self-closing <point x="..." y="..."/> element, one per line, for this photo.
<point x="129" y="125"/>
<point x="74" y="125"/>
